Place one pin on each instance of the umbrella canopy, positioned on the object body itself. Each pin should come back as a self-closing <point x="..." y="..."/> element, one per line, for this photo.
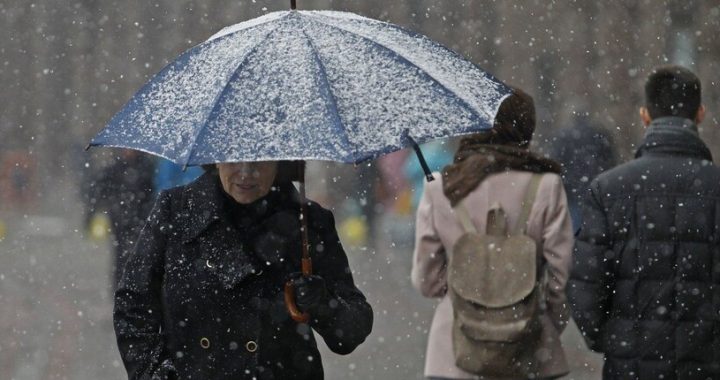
<point x="305" y="85"/>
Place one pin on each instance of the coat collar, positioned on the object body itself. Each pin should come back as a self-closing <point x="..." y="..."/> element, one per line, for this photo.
<point x="204" y="204"/>
<point x="674" y="136"/>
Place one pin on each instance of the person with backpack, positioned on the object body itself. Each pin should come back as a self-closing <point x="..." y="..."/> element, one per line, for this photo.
<point x="494" y="242"/>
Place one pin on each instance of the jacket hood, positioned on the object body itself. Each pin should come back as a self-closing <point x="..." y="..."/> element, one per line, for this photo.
<point x="674" y="136"/>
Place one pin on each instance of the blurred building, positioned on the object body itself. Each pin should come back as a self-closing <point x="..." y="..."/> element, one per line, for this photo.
<point x="67" y="67"/>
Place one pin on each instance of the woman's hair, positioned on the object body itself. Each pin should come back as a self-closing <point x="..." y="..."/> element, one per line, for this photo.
<point x="209" y="168"/>
<point x="514" y="123"/>
<point x="289" y="171"/>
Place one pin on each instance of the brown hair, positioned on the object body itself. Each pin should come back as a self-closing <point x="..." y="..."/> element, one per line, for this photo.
<point x="514" y="123"/>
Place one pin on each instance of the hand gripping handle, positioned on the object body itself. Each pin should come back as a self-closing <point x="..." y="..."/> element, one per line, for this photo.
<point x="295" y="313"/>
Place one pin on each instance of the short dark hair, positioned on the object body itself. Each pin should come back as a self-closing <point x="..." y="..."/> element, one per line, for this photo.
<point x="672" y="91"/>
<point x="515" y="120"/>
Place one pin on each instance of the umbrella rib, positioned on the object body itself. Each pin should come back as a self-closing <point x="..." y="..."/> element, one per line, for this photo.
<point x="328" y="88"/>
<point x="216" y="102"/>
<point x="404" y="59"/>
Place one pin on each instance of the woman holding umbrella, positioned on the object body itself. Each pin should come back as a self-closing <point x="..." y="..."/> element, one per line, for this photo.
<point x="202" y="294"/>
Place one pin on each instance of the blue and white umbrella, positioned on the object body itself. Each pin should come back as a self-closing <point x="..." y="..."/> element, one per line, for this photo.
<point x="300" y="85"/>
<point x="305" y="85"/>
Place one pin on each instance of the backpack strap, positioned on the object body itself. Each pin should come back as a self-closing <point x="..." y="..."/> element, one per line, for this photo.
<point x="530" y="193"/>
<point x="464" y="218"/>
<point x="496" y="220"/>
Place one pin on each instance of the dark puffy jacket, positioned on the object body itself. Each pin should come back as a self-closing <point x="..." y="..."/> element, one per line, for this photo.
<point x="645" y="288"/>
<point x="201" y="296"/>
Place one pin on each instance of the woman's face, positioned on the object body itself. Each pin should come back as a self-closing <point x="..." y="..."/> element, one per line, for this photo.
<point x="247" y="182"/>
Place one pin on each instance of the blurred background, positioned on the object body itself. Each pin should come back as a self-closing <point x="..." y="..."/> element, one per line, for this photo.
<point x="67" y="66"/>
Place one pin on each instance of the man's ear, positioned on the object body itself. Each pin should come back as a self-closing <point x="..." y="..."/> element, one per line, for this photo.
<point x="700" y="115"/>
<point x="645" y="116"/>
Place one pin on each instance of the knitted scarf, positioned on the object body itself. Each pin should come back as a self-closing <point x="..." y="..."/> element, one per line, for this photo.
<point x="474" y="161"/>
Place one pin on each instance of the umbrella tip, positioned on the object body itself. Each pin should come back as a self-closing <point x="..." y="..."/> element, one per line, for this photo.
<point x="293" y="4"/>
<point x="87" y="147"/>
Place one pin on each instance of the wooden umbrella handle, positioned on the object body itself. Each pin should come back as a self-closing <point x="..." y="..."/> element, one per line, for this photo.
<point x="295" y="313"/>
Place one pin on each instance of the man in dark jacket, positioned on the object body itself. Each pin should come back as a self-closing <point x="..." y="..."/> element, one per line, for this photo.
<point x="644" y="289"/>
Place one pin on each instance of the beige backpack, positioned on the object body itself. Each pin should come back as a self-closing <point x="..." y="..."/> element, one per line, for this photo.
<point x="496" y="293"/>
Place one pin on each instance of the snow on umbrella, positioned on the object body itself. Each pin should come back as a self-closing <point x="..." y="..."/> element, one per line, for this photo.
<point x="305" y="85"/>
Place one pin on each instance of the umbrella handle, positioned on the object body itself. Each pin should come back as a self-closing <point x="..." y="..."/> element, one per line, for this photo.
<point x="306" y="262"/>
<point x="428" y="173"/>
<point x="295" y="313"/>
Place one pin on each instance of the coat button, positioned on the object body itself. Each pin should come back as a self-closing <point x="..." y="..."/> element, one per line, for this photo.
<point x="205" y="343"/>
<point x="251" y="346"/>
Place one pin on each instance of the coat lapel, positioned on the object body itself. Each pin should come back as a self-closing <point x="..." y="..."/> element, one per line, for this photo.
<point x="223" y="253"/>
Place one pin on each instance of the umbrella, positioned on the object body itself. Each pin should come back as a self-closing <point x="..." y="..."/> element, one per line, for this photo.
<point x="305" y="85"/>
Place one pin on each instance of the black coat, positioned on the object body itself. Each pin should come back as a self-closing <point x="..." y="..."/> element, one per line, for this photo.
<point x="584" y="151"/>
<point x="203" y="291"/>
<point x="645" y="288"/>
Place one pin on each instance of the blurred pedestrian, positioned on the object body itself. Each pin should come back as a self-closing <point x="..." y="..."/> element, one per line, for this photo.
<point x="644" y="286"/>
<point x="494" y="171"/>
<point x="124" y="190"/>
<point x="202" y="294"/>
<point x="169" y="175"/>
<point x="393" y="184"/>
<point x="584" y="150"/>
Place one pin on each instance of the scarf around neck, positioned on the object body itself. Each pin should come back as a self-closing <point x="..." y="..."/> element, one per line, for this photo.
<point x="674" y="136"/>
<point x="475" y="161"/>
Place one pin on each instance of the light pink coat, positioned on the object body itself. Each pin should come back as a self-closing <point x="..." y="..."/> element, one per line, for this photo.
<point x="437" y="230"/>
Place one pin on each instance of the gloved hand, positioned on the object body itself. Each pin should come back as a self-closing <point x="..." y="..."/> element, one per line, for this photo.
<point x="166" y="371"/>
<point x="310" y="292"/>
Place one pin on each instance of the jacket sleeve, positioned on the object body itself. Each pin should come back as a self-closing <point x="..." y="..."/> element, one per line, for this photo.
<point x="591" y="279"/>
<point x="557" y="250"/>
<point x="429" y="266"/>
<point x="347" y="319"/>
<point x="138" y="313"/>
